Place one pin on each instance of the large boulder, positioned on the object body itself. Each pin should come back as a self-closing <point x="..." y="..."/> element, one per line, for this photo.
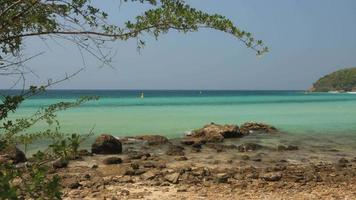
<point x="251" y="127"/>
<point x="12" y="154"/>
<point x="216" y="132"/>
<point x="106" y="144"/>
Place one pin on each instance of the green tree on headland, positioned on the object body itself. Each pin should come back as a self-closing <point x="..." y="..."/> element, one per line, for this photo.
<point x="341" y="80"/>
<point x="82" y="23"/>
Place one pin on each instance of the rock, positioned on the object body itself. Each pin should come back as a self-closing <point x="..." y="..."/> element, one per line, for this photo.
<point x="216" y="132"/>
<point x="112" y="161"/>
<point x="106" y="144"/>
<point x="343" y="162"/>
<point x="148" y="175"/>
<point x="245" y="157"/>
<point x="187" y="142"/>
<point x="12" y="154"/>
<point x="181" y="158"/>
<point x="197" y="146"/>
<point x="84" y="152"/>
<point x="60" y="163"/>
<point x="135" y="166"/>
<point x="248" y="147"/>
<point x="251" y="127"/>
<point x="272" y="176"/>
<point x="125" y="192"/>
<point x="135" y="155"/>
<point x="149" y="165"/>
<point x="71" y="183"/>
<point x="174" y="150"/>
<point x="152" y="139"/>
<point x="94" y="166"/>
<point x="172" y="178"/>
<point x="222" y="178"/>
<point x="182" y="189"/>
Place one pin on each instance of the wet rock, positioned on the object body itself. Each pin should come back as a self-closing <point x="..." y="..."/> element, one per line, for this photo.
<point x="112" y="161"/>
<point x="175" y="150"/>
<point x="153" y="139"/>
<point x="106" y="144"/>
<point x="272" y="176"/>
<point x="251" y="127"/>
<point x="172" y="178"/>
<point x="12" y="154"/>
<point x="60" y="163"/>
<point x="216" y="132"/>
<point x="248" y="147"/>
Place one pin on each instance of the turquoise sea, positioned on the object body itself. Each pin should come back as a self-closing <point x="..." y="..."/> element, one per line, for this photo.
<point x="172" y="113"/>
<point x="321" y="124"/>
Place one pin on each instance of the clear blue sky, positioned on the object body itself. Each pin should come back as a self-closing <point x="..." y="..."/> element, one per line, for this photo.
<point x="307" y="39"/>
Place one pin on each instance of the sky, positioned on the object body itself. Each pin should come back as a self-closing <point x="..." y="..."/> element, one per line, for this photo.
<point x="307" y="39"/>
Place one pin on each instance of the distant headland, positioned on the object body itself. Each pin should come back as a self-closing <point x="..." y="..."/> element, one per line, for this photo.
<point x="343" y="80"/>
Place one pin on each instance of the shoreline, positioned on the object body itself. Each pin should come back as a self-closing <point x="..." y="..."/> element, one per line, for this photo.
<point x="153" y="167"/>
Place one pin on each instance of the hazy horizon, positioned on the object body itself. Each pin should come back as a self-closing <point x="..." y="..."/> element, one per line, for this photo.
<point x="308" y="39"/>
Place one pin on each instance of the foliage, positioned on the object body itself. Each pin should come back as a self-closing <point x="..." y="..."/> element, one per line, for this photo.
<point x="341" y="80"/>
<point x="81" y="22"/>
<point x="30" y="182"/>
<point x="87" y="26"/>
<point x="33" y="180"/>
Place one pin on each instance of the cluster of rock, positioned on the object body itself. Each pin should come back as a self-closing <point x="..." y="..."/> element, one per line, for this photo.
<point x="211" y="133"/>
<point x="217" y="133"/>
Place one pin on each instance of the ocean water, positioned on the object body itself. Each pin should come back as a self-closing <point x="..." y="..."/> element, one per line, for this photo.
<point x="323" y="125"/>
<point x="172" y="113"/>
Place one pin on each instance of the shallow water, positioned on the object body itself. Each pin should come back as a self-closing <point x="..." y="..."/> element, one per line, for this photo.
<point x="319" y="121"/>
<point x="171" y="113"/>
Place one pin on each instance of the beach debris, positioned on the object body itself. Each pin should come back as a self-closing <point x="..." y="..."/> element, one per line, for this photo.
<point x="106" y="144"/>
